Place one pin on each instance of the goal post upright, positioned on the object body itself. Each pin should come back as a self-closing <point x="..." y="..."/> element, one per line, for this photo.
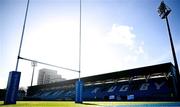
<point x="14" y="76"/>
<point x="79" y="83"/>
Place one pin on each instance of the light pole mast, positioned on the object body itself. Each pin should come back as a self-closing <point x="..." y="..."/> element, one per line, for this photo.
<point x="33" y="64"/>
<point x="163" y="11"/>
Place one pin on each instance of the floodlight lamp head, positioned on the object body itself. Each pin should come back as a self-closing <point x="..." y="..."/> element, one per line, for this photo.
<point x="163" y="10"/>
<point x="34" y="63"/>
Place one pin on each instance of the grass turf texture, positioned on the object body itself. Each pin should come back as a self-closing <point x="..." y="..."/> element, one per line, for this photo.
<point x="90" y="104"/>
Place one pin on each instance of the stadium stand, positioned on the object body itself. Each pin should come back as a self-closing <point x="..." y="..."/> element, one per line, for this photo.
<point x="20" y="95"/>
<point x="152" y="83"/>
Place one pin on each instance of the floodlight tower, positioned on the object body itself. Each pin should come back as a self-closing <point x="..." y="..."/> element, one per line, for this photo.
<point x="33" y="64"/>
<point x="163" y="11"/>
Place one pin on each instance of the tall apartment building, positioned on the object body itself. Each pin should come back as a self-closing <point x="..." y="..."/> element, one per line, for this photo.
<point x="48" y="76"/>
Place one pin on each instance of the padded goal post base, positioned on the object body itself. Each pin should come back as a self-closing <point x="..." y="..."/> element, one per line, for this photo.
<point x="79" y="92"/>
<point x="12" y="87"/>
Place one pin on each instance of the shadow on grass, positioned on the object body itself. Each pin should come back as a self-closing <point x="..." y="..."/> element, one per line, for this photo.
<point x="6" y="105"/>
<point x="89" y="104"/>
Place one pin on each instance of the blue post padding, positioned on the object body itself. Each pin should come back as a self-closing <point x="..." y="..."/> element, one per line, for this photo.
<point x="12" y="87"/>
<point x="79" y="92"/>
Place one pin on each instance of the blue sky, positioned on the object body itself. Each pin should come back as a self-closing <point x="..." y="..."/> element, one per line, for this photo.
<point x="116" y="35"/>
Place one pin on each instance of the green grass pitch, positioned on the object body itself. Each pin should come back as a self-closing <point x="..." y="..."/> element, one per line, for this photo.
<point x="90" y="104"/>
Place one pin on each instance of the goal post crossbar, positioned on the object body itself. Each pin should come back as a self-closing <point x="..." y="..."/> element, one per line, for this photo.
<point x="48" y="64"/>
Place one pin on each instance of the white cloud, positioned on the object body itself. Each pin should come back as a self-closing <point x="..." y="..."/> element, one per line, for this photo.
<point x="111" y="51"/>
<point x="121" y="35"/>
<point x="140" y="49"/>
<point x="131" y="50"/>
